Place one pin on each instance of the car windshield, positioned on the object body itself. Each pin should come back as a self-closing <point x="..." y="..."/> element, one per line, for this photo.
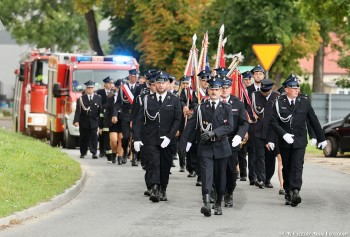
<point x="82" y="76"/>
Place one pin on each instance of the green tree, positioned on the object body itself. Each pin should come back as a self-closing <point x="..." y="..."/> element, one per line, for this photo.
<point x="250" y="22"/>
<point x="330" y="15"/>
<point x="46" y="23"/>
<point x="163" y="30"/>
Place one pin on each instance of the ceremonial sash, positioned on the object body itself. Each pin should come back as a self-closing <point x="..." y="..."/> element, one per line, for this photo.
<point x="128" y="93"/>
<point x="201" y="94"/>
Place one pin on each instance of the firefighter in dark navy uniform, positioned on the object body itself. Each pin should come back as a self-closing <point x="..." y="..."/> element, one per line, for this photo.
<point x="104" y="142"/>
<point x="126" y="99"/>
<point x="258" y="74"/>
<point x="241" y="125"/>
<point x="262" y="102"/>
<point x="290" y="114"/>
<point x="104" y="134"/>
<point x="213" y="120"/>
<point x="156" y="126"/>
<point x="87" y="113"/>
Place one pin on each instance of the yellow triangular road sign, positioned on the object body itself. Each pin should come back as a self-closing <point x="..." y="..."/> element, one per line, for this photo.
<point x="266" y="53"/>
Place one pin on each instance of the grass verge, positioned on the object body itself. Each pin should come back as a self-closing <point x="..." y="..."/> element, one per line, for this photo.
<point x="31" y="172"/>
<point x="313" y="151"/>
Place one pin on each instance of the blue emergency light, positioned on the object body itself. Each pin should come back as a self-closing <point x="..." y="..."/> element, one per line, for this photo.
<point x="83" y="58"/>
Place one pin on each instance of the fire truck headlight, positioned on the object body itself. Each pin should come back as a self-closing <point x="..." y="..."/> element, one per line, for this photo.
<point x="38" y="120"/>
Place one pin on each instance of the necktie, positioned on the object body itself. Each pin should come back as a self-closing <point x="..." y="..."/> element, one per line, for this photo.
<point x="224" y="101"/>
<point x="258" y="89"/>
<point x="213" y="106"/>
<point x="160" y="100"/>
<point x="90" y="97"/>
<point x="292" y="103"/>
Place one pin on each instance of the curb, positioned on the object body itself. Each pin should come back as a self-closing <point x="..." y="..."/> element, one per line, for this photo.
<point x="47" y="206"/>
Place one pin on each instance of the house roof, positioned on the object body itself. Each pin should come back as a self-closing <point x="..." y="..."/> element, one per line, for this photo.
<point x="330" y="60"/>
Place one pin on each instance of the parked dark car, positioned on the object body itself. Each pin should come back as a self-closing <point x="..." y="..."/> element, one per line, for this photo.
<point x="338" y="137"/>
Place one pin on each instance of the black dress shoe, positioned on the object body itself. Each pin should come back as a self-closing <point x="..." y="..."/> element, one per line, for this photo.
<point x="119" y="160"/>
<point x="82" y="156"/>
<point x="192" y="174"/>
<point x="134" y="162"/>
<point x="259" y="184"/>
<point x="281" y="192"/>
<point x="217" y="209"/>
<point x="173" y="164"/>
<point x="94" y="156"/>
<point x="252" y="182"/>
<point x="155" y="193"/>
<point x="238" y="176"/>
<point x="268" y="185"/>
<point x="162" y="194"/>
<point x="124" y="159"/>
<point x="147" y="192"/>
<point x="199" y="183"/>
<point x="182" y="169"/>
<point x="296" y="199"/>
<point x="101" y="155"/>
<point x="243" y="178"/>
<point x="288" y="198"/>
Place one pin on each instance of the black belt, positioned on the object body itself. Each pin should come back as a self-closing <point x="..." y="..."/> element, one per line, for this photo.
<point x="222" y="138"/>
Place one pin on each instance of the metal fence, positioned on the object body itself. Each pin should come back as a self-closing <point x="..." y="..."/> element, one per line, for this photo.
<point x="330" y="107"/>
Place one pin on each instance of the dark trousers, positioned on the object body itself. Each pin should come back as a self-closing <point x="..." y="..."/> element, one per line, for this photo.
<point x="101" y="144"/>
<point x="293" y="163"/>
<point x="125" y="124"/>
<point x="181" y="153"/>
<point x="251" y="157"/>
<point x="242" y="160"/>
<point x="270" y="162"/>
<point x="88" y="139"/>
<point x="158" y="164"/>
<point x="213" y="171"/>
<point x="259" y="160"/>
<point x="145" y="165"/>
<point x="192" y="158"/>
<point x="231" y="172"/>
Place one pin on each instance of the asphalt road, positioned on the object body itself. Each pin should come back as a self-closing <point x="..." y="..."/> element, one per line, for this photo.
<point x="112" y="204"/>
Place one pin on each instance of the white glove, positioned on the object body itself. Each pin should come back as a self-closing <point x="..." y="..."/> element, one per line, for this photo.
<point x="188" y="146"/>
<point x="322" y="145"/>
<point x="313" y="142"/>
<point x="288" y="138"/>
<point x="137" y="146"/>
<point x="236" y="141"/>
<point x="271" y="145"/>
<point x="165" y="142"/>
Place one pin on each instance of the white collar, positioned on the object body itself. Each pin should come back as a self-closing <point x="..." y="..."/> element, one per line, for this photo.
<point x="256" y="86"/>
<point x="216" y="102"/>
<point x="163" y="95"/>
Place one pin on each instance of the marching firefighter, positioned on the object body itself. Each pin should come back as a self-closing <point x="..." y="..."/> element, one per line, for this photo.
<point x="262" y="102"/>
<point x="213" y="120"/>
<point x="289" y="120"/>
<point x="157" y="123"/>
<point x="241" y="125"/>
<point x="103" y="133"/>
<point x="126" y="98"/>
<point x="87" y="113"/>
<point x="113" y="125"/>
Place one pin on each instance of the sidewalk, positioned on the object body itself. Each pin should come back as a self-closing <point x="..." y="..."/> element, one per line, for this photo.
<point x="340" y="163"/>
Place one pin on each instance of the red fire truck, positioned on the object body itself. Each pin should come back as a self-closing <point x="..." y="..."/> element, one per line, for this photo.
<point x="67" y="75"/>
<point x="29" y="112"/>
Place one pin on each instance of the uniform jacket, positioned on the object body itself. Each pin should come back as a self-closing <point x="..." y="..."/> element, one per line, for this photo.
<point x="240" y="122"/>
<point x="222" y="125"/>
<point x="262" y="125"/>
<point x="112" y="109"/>
<point x="89" y="118"/>
<point x="301" y="112"/>
<point x="167" y="124"/>
<point x="104" y="96"/>
<point x="125" y="106"/>
<point x="193" y="103"/>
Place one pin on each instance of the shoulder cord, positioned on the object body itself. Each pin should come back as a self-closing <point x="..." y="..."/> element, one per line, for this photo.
<point x="82" y="104"/>
<point x="199" y="118"/>
<point x="122" y="95"/>
<point x="254" y="106"/>
<point x="145" y="111"/>
<point x="284" y="120"/>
